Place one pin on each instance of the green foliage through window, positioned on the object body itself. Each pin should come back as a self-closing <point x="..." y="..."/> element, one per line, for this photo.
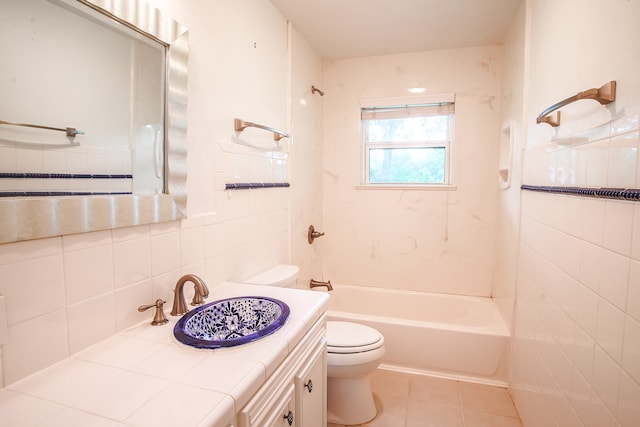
<point x="407" y="165"/>
<point x="407" y="144"/>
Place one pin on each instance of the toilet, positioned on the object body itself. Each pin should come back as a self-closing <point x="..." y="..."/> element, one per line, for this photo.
<point x="353" y="352"/>
<point x="281" y="275"/>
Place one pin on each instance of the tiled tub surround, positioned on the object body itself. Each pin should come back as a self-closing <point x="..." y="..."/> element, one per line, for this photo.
<point x="577" y="330"/>
<point x="144" y="377"/>
<point x="602" y="157"/>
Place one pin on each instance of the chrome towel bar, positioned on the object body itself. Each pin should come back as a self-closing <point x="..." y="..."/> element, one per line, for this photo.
<point x="240" y="125"/>
<point x="605" y="94"/>
<point x="71" y="132"/>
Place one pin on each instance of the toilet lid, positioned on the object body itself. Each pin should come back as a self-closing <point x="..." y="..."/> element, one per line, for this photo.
<point x="347" y="337"/>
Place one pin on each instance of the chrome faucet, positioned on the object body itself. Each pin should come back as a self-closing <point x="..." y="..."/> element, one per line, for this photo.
<point x="316" y="283"/>
<point x="200" y="293"/>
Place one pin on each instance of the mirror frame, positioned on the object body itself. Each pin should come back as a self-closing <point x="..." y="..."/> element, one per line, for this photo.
<point x="39" y="217"/>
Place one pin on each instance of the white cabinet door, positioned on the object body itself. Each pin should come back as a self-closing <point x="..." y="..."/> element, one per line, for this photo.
<point x="311" y="394"/>
<point x="283" y="412"/>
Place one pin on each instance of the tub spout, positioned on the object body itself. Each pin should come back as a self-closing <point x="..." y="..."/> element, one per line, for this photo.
<point x="316" y="283"/>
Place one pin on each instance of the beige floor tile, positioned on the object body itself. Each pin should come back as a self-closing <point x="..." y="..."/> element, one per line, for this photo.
<point x="489" y="399"/>
<point x="483" y="419"/>
<point x="406" y="400"/>
<point x="392" y="411"/>
<point x="390" y="383"/>
<point x="422" y="414"/>
<point x="437" y="390"/>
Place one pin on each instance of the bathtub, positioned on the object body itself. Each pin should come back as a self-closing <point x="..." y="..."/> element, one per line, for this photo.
<point x="451" y="336"/>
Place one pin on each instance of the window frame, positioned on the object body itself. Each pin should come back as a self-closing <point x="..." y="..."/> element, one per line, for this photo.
<point x="407" y="102"/>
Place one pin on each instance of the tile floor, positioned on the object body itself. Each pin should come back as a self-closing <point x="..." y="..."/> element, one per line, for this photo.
<point x="410" y="400"/>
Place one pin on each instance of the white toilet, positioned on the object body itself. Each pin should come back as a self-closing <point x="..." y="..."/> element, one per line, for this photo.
<point x="281" y="275"/>
<point x="353" y="351"/>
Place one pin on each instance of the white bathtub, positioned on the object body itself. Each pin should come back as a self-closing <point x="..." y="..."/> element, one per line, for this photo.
<point x="445" y="335"/>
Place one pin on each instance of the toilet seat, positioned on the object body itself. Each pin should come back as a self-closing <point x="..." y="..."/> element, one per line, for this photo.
<point x="349" y="338"/>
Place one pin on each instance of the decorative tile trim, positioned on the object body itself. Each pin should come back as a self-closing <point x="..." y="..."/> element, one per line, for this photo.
<point x="252" y="185"/>
<point x="61" y="193"/>
<point x="630" y="194"/>
<point x="28" y="175"/>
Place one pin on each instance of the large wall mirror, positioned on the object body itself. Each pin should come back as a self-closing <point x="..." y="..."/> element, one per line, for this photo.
<point x="92" y="118"/>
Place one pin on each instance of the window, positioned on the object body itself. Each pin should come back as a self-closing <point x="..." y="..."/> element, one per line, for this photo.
<point x="408" y="143"/>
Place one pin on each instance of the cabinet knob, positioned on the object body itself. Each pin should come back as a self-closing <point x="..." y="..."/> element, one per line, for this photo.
<point x="309" y="386"/>
<point x="289" y="417"/>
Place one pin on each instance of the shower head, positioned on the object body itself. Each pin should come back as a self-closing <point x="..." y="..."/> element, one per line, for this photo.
<point x="316" y="90"/>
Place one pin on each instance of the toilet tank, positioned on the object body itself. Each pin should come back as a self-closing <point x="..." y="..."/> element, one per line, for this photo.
<point x="282" y="275"/>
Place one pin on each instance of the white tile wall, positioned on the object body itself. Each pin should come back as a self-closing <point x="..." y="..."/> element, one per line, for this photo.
<point x="67" y="293"/>
<point x="389" y="238"/>
<point x="577" y="338"/>
<point x="64" y="294"/>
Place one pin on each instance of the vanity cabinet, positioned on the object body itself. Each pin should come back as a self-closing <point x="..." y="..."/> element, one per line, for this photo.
<point x="295" y="394"/>
<point x="310" y="390"/>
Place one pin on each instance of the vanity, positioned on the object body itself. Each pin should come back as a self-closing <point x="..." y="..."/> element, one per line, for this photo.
<point x="144" y="376"/>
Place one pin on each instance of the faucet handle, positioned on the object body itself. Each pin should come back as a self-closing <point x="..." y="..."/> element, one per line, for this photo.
<point x="205" y="295"/>
<point x="198" y="297"/>
<point x="159" y="318"/>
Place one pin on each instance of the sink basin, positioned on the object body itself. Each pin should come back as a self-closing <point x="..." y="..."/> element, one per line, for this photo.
<point x="231" y="321"/>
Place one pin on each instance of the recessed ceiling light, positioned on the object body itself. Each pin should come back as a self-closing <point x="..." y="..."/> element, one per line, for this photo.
<point x="417" y="89"/>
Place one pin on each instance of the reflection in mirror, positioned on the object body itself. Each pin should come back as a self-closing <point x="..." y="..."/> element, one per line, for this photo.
<point x="112" y="88"/>
<point x="101" y="68"/>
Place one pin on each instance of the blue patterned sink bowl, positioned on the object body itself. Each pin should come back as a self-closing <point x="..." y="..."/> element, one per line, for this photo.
<point x="231" y="321"/>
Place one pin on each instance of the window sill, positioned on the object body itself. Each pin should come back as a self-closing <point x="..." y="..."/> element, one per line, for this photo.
<point x="418" y="187"/>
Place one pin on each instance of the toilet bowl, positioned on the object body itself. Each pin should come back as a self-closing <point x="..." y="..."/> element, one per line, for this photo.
<point x="353" y="351"/>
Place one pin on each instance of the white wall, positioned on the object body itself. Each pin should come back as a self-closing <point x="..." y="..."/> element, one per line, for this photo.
<point x="439" y="241"/>
<point x="576" y="353"/>
<point x="65" y="293"/>
<point x="306" y="158"/>
<point x="508" y="202"/>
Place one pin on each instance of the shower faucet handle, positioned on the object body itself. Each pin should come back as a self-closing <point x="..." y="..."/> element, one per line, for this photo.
<point x="313" y="234"/>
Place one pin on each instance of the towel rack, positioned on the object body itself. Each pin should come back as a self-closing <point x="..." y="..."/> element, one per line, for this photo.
<point x="71" y="132"/>
<point x="605" y="94"/>
<point x="240" y="125"/>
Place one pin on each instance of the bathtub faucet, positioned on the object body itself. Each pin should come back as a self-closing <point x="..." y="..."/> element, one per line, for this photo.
<point x="316" y="283"/>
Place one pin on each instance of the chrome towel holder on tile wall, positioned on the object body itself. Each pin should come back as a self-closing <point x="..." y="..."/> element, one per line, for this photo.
<point x="605" y="94"/>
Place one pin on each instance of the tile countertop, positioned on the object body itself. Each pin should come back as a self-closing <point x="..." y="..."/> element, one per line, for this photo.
<point x="144" y="377"/>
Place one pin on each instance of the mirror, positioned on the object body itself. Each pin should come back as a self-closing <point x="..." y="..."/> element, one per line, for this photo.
<point x="126" y="115"/>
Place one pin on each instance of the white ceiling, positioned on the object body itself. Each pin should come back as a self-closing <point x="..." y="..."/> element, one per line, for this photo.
<point x="341" y="29"/>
